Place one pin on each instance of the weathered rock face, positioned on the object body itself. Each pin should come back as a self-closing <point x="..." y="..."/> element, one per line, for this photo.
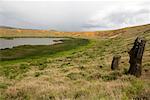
<point x="136" y="54"/>
<point x="115" y="62"/>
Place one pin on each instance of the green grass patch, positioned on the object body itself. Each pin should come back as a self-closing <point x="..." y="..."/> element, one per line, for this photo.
<point x="43" y="59"/>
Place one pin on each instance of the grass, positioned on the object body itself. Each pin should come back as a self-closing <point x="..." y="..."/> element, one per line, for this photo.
<point x="82" y="73"/>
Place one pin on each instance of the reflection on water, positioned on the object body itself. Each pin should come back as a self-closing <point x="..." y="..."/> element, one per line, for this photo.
<point x="9" y="43"/>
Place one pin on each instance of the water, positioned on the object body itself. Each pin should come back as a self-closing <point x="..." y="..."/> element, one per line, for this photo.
<point x="10" y="43"/>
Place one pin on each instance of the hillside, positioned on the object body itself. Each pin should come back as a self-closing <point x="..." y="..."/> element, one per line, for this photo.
<point x="10" y="32"/>
<point x="7" y="27"/>
<point x="83" y="73"/>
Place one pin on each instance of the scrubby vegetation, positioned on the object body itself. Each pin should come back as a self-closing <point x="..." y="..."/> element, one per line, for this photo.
<point x="83" y="73"/>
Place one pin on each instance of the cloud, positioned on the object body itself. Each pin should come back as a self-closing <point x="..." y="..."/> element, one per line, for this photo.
<point x="120" y="19"/>
<point x="64" y="16"/>
<point x="75" y="15"/>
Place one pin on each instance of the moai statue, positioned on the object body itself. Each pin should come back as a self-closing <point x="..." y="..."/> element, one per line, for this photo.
<point x="115" y="62"/>
<point x="136" y="54"/>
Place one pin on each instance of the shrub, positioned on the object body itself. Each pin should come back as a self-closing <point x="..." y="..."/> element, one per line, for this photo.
<point x="112" y="76"/>
<point x="125" y="71"/>
<point x="135" y="88"/>
<point x="3" y="85"/>
<point x="80" y="93"/>
<point x="13" y="71"/>
<point x="94" y="76"/>
<point x="42" y="66"/>
<point x="65" y="65"/>
<point x="75" y="76"/>
<point x="37" y="74"/>
<point x="109" y="77"/>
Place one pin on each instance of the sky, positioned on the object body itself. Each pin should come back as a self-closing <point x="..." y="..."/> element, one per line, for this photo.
<point x="71" y="15"/>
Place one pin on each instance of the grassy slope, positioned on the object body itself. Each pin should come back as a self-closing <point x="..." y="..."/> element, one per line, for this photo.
<point x="82" y="74"/>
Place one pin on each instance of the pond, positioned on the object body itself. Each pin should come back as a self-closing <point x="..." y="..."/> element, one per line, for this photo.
<point x="30" y="48"/>
<point x="13" y="42"/>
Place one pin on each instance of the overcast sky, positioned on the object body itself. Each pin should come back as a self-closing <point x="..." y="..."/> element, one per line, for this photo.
<point x="74" y="15"/>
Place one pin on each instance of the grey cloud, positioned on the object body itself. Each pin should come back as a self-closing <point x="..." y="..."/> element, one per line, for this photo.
<point x="95" y="26"/>
<point x="121" y="19"/>
<point x="128" y="17"/>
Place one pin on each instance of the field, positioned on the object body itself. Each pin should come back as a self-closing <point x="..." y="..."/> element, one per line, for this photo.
<point x="81" y="73"/>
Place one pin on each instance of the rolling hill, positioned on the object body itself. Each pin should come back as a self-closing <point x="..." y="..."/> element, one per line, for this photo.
<point x="83" y="73"/>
